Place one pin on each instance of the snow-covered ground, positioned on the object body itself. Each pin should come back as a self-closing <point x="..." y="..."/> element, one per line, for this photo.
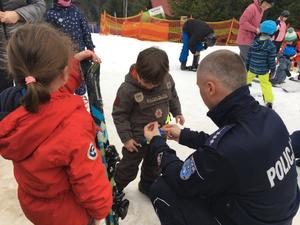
<point x="117" y="54"/>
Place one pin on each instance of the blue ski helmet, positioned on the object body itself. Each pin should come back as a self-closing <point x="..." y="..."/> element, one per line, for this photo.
<point x="268" y="27"/>
<point x="289" y="51"/>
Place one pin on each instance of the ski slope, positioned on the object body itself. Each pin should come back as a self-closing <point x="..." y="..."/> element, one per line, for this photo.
<point x="117" y="54"/>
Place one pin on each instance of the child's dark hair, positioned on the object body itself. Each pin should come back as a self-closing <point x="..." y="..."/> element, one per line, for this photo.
<point x="152" y="65"/>
<point x="41" y="52"/>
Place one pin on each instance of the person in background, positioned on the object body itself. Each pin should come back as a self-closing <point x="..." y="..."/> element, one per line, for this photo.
<point x="68" y="18"/>
<point x="249" y="24"/>
<point x="14" y="14"/>
<point x="284" y="65"/>
<point x="281" y="29"/>
<point x="297" y="58"/>
<point x="196" y="37"/>
<point x="243" y="173"/>
<point x="48" y="134"/>
<point x="261" y="60"/>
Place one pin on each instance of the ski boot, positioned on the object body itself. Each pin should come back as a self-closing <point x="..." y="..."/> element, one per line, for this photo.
<point x="120" y="205"/>
<point x="269" y="105"/>
<point x="183" y="66"/>
<point x="194" y="66"/>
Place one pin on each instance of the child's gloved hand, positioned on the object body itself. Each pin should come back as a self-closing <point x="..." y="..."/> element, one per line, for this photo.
<point x="131" y="145"/>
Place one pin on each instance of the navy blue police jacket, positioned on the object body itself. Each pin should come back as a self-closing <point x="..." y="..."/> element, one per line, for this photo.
<point x="246" y="168"/>
<point x="10" y="99"/>
<point x="197" y="30"/>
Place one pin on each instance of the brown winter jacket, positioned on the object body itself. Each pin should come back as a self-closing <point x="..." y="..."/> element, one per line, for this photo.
<point x="29" y="10"/>
<point x="135" y="107"/>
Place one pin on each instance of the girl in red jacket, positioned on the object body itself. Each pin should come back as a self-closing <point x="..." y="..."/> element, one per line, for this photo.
<point x="48" y="134"/>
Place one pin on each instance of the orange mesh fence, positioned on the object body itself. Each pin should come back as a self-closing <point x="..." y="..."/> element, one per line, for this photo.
<point x="153" y="29"/>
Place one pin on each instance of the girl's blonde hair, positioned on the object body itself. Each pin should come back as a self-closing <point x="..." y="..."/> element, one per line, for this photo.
<point x="39" y="51"/>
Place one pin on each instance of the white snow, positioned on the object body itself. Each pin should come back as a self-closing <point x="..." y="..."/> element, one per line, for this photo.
<point x="117" y="54"/>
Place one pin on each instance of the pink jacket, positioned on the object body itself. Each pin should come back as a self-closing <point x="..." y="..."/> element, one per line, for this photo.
<point x="249" y="22"/>
<point x="282" y="30"/>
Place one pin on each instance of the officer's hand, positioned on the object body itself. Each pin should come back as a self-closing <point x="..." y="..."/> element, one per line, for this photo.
<point x="87" y="54"/>
<point x="131" y="145"/>
<point x="9" y="17"/>
<point x="151" y="130"/>
<point x="180" y="119"/>
<point x="173" y="131"/>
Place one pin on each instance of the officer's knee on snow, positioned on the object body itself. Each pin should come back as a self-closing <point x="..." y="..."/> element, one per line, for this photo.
<point x="158" y="189"/>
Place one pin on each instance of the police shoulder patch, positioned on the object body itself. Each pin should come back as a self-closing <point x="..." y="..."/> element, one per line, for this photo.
<point x="217" y="136"/>
<point x="92" y="153"/>
<point x="188" y="168"/>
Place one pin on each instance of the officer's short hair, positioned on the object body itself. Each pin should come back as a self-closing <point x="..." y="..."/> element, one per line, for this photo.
<point x="152" y="65"/>
<point x="227" y="66"/>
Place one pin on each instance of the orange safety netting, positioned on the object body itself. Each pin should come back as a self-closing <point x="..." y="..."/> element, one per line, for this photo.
<point x="153" y="29"/>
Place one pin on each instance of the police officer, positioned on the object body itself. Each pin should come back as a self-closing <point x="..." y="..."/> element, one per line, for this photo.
<point x="242" y="174"/>
<point x="196" y="36"/>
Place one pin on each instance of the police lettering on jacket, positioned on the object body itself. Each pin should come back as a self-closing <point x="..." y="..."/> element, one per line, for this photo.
<point x="282" y="166"/>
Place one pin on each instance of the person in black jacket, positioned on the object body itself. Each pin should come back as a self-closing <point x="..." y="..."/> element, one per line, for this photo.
<point x="196" y="36"/>
<point x="242" y="174"/>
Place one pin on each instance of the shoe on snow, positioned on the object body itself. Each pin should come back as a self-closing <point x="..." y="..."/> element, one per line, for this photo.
<point x="269" y="105"/>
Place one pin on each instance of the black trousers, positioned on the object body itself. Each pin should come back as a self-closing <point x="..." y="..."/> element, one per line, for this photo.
<point x="5" y="82"/>
<point x="128" y="167"/>
<point x="173" y="209"/>
<point x="244" y="49"/>
<point x="277" y="45"/>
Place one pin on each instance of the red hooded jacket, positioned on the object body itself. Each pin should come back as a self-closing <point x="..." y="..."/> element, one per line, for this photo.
<point x="60" y="175"/>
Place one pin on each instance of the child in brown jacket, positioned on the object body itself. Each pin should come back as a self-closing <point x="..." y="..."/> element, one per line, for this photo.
<point x="148" y="94"/>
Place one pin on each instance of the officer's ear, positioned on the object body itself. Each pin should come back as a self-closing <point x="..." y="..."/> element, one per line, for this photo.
<point x="211" y="88"/>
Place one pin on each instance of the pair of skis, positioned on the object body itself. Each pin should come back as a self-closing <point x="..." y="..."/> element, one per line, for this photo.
<point x="110" y="156"/>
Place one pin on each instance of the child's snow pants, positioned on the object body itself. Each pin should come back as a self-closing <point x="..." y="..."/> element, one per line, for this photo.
<point x="265" y="84"/>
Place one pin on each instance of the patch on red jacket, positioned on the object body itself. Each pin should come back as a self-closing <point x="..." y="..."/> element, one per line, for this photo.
<point x="92" y="152"/>
<point x="117" y="101"/>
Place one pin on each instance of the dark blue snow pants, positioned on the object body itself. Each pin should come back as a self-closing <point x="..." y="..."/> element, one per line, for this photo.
<point x="173" y="209"/>
<point x="185" y="47"/>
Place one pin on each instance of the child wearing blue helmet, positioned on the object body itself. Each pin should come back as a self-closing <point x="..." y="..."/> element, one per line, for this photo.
<point x="284" y="65"/>
<point x="261" y="60"/>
